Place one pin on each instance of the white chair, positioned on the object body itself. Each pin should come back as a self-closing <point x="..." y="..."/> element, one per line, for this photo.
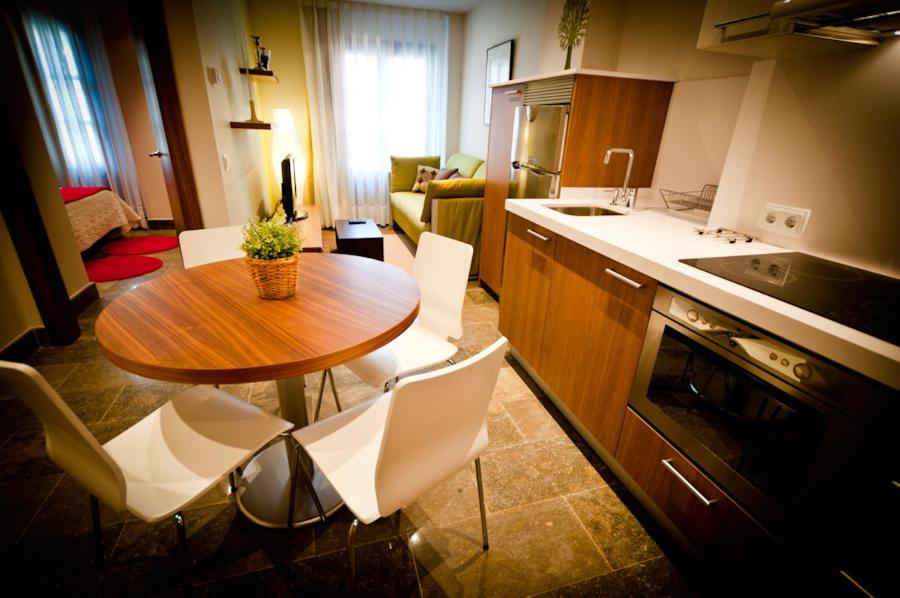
<point x="159" y="465"/>
<point x="441" y="269"/>
<point x="207" y="245"/>
<point x="383" y="454"/>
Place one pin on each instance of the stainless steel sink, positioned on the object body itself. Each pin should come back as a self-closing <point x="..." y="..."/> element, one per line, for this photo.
<point x="585" y="211"/>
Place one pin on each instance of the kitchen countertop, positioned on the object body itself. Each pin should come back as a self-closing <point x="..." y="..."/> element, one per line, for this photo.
<point x="653" y="240"/>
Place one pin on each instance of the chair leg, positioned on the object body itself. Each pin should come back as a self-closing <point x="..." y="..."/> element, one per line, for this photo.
<point x="337" y="401"/>
<point x="450" y="361"/>
<point x="321" y="392"/>
<point x="298" y="467"/>
<point x="232" y="485"/>
<point x="185" y="553"/>
<point x="484" y="532"/>
<point x="351" y="548"/>
<point x="334" y="393"/>
<point x="98" y="531"/>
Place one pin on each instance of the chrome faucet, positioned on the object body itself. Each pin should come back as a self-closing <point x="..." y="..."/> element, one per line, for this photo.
<point x="624" y="189"/>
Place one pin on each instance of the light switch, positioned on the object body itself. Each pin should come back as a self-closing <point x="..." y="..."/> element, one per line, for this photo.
<point x="214" y="75"/>
<point x="226" y="163"/>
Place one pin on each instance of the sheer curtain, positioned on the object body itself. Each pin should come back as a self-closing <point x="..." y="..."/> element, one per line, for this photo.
<point x="377" y="85"/>
<point x="83" y="121"/>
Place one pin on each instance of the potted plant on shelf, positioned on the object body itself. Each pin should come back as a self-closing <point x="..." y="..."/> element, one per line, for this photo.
<point x="272" y="247"/>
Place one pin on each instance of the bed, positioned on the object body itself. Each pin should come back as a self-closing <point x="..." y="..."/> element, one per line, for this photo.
<point x="94" y="212"/>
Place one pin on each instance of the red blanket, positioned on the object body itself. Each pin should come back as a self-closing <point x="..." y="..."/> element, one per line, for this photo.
<point x="75" y="193"/>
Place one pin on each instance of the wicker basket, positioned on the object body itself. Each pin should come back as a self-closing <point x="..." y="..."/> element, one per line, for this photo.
<point x="274" y="279"/>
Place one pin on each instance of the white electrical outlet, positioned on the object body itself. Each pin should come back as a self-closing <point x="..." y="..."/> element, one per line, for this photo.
<point x="784" y="220"/>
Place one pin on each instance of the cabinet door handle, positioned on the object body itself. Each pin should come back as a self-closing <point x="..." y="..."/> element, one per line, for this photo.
<point x="667" y="463"/>
<point x="624" y="279"/>
<point x="537" y="235"/>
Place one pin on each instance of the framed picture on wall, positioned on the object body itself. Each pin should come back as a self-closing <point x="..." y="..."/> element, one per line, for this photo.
<point x="497" y="70"/>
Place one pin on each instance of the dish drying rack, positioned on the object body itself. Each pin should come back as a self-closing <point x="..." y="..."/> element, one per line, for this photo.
<point x="690" y="200"/>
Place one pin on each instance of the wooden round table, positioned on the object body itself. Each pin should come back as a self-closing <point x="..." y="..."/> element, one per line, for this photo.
<point x="207" y="325"/>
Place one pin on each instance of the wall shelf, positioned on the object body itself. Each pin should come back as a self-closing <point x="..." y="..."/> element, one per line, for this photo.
<point x="238" y="124"/>
<point x="259" y="74"/>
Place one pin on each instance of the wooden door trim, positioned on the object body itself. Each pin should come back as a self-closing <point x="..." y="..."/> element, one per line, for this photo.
<point x="149" y="22"/>
<point x="32" y="244"/>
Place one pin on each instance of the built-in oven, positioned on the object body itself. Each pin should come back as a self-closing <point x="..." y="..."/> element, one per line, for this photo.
<point x="789" y="436"/>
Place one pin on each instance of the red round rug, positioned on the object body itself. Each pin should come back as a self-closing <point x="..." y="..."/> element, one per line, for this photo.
<point x="117" y="267"/>
<point x="140" y="245"/>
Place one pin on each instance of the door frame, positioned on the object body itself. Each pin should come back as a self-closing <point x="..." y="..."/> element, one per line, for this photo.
<point x="148" y="24"/>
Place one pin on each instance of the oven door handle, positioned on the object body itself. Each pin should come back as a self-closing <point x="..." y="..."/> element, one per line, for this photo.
<point x="667" y="463"/>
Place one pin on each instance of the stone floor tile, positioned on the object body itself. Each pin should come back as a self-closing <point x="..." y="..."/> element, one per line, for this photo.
<point x="139" y="400"/>
<point x="612" y="526"/>
<point x="384" y="568"/>
<point x="222" y="543"/>
<point x="455" y="499"/>
<point x="55" y="374"/>
<point x="533" y="420"/>
<point x="96" y="373"/>
<point x="25" y="456"/>
<point x="68" y="510"/>
<point x="478" y="336"/>
<point x="503" y="433"/>
<point x="20" y="501"/>
<point x="61" y="565"/>
<point x="656" y="578"/>
<point x="91" y="405"/>
<point x="17" y="417"/>
<point x="532" y="549"/>
<point x="510" y="386"/>
<point x="535" y="471"/>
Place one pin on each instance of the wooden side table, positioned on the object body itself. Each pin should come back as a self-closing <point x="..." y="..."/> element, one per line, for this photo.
<point x="360" y="237"/>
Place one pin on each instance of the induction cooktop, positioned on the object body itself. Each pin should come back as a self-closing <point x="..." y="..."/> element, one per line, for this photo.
<point x="863" y="300"/>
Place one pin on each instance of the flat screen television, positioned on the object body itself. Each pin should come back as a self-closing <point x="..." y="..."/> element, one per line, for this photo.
<point x="289" y="189"/>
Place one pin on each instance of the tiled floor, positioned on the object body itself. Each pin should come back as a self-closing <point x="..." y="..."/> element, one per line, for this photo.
<point x="556" y="516"/>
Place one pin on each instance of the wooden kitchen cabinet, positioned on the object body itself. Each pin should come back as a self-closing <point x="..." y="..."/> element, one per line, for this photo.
<point x="504" y="101"/>
<point x="529" y="265"/>
<point x="604" y="112"/>
<point x="613" y="112"/>
<point x="721" y="530"/>
<point x="577" y="325"/>
<point x="592" y="340"/>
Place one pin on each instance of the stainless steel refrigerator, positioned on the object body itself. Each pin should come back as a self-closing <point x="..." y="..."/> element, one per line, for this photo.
<point x="538" y="137"/>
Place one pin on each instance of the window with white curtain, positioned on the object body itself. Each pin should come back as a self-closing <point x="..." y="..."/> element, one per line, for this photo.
<point x="377" y="79"/>
<point x="66" y="91"/>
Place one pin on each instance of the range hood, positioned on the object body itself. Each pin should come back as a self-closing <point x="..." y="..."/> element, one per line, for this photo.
<point x="797" y="27"/>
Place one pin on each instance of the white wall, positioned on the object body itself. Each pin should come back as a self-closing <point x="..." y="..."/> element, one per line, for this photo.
<point x="824" y="136"/>
<point x="488" y="24"/>
<point x="223" y="38"/>
<point x="202" y="34"/>
<point x="698" y="131"/>
<point x="455" y="48"/>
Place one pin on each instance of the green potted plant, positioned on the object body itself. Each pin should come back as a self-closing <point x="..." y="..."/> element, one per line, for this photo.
<point x="272" y="246"/>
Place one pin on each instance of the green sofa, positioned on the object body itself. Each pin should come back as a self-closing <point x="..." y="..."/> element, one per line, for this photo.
<point x="451" y="208"/>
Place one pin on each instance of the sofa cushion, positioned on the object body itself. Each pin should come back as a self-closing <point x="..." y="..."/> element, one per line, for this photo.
<point x="450" y="188"/>
<point x="480" y="173"/>
<point x="467" y="165"/>
<point x="424" y="175"/>
<point x="403" y="170"/>
<point x="406" y="210"/>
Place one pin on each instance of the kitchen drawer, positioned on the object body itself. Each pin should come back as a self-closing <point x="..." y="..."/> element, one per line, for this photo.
<point x="527" y="271"/>
<point x="722" y="531"/>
